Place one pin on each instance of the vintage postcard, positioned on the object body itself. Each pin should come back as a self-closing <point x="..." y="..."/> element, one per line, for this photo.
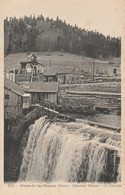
<point x="62" y="97"/>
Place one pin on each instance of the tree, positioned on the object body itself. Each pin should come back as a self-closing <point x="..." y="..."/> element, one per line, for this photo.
<point x="83" y="54"/>
<point x="31" y="33"/>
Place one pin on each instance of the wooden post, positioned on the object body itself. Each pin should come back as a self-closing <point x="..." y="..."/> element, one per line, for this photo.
<point x="50" y="62"/>
<point x="93" y="76"/>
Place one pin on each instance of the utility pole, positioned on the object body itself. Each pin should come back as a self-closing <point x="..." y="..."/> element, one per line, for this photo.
<point x="50" y="62"/>
<point x="93" y="71"/>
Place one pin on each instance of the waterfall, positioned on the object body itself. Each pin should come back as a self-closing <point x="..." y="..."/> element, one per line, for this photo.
<point x="70" y="152"/>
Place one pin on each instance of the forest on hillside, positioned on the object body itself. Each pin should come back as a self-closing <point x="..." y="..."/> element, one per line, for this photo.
<point x="39" y="34"/>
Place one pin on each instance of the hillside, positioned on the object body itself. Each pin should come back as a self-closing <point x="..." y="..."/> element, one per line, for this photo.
<point x="38" y="34"/>
<point x="58" y="59"/>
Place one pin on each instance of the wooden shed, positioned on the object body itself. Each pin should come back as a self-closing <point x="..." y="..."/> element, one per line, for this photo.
<point x="114" y="71"/>
<point x="14" y="99"/>
<point x="67" y="75"/>
<point x="44" y="91"/>
<point x="50" y="74"/>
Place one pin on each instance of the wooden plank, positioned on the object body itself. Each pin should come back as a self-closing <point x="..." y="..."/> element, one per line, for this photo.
<point x="94" y="93"/>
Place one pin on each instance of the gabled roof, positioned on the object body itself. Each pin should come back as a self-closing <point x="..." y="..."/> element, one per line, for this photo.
<point x="51" y="71"/>
<point x="14" y="87"/>
<point x="65" y="70"/>
<point x="45" y="87"/>
<point x="32" y="55"/>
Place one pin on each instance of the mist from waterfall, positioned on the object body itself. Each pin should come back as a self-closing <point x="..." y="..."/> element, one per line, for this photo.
<point x="70" y="152"/>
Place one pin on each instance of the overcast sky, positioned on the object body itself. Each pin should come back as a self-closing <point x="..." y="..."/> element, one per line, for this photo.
<point x="104" y="16"/>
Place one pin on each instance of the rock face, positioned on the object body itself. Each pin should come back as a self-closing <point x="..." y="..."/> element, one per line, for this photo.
<point x="15" y="136"/>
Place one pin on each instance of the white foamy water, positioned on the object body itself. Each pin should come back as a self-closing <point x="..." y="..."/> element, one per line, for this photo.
<point x="70" y="152"/>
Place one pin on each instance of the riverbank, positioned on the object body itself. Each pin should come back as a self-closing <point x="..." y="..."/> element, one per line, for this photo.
<point x="16" y="132"/>
<point x="15" y="139"/>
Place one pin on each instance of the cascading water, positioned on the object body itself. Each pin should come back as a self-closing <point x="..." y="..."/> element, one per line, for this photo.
<point x="70" y="152"/>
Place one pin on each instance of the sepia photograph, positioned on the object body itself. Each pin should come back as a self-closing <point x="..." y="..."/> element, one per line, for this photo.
<point x="62" y="92"/>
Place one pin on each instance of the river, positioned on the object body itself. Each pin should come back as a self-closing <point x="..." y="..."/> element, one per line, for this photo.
<point x="70" y="152"/>
<point x="106" y="119"/>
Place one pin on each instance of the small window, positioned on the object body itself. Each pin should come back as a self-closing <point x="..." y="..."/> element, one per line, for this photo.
<point x="43" y="95"/>
<point x="115" y="70"/>
<point x="6" y="97"/>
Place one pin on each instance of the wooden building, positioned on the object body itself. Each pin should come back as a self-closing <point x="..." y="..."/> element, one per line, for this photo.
<point x="62" y="75"/>
<point x="67" y="75"/>
<point x="30" y="70"/>
<point x="44" y="91"/>
<point x="32" y="57"/>
<point x="114" y="71"/>
<point x="50" y="74"/>
<point x="10" y="74"/>
<point x="15" y="99"/>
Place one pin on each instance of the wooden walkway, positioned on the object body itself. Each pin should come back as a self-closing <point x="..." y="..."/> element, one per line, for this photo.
<point x="66" y="118"/>
<point x="53" y="113"/>
<point x="94" y="93"/>
<point x="91" y="123"/>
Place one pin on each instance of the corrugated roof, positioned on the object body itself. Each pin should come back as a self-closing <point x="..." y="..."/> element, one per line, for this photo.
<point x="14" y="87"/>
<point x="46" y="87"/>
